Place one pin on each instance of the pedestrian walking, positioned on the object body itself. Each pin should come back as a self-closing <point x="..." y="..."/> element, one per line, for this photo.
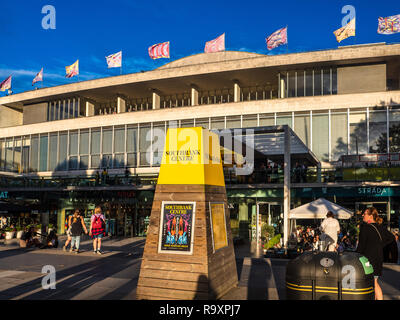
<point x="68" y="232"/>
<point x="330" y="229"/>
<point x="371" y="242"/>
<point x="77" y="228"/>
<point x="97" y="229"/>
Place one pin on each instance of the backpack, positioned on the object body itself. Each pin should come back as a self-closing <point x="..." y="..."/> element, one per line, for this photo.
<point x="97" y="223"/>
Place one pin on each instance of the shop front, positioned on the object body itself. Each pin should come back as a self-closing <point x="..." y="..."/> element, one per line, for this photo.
<point x="127" y="212"/>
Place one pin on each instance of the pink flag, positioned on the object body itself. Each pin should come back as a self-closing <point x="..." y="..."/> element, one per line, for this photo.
<point x="160" y="50"/>
<point x="6" y="84"/>
<point x="215" y="45"/>
<point x="276" y="39"/>
<point x="39" y="77"/>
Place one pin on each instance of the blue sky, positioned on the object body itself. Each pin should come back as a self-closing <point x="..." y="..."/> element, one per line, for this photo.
<point x="89" y="30"/>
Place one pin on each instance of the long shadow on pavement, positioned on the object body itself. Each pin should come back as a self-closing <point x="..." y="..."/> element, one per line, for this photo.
<point x="73" y="281"/>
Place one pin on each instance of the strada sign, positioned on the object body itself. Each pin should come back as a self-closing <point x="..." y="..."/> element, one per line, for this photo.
<point x="3" y="194"/>
<point x="373" y="191"/>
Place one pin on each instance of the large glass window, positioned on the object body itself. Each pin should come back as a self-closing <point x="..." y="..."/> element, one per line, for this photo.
<point x="131" y="146"/>
<point x="292" y="84"/>
<point x="95" y="136"/>
<point x="53" y="151"/>
<point x="302" y="127"/>
<point x="158" y="143"/>
<point x="44" y="140"/>
<point x="233" y="122"/>
<point x="309" y="83"/>
<point x="394" y="130"/>
<point x="17" y="154"/>
<point x="326" y="81"/>
<point x="35" y="154"/>
<point x="358" y="132"/>
<point x="145" y="145"/>
<point x="300" y="83"/>
<point x="107" y="140"/>
<point x="119" y="147"/>
<point x="334" y="81"/>
<point x="377" y="132"/>
<point x="267" y="119"/>
<point x="204" y="122"/>
<point x="338" y="134"/>
<point x="317" y="82"/>
<point x="284" y="118"/>
<point x="218" y="123"/>
<point x="107" y="148"/>
<point x="2" y="154"/>
<point x="61" y="110"/>
<point x="84" y="149"/>
<point x="250" y="121"/>
<point x="25" y="154"/>
<point x="9" y="154"/>
<point x="320" y="136"/>
<point x="62" y="152"/>
<point x="187" y="123"/>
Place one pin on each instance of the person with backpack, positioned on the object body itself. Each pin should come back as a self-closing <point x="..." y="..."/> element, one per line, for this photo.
<point x="77" y="226"/>
<point x="372" y="240"/>
<point x="97" y="229"/>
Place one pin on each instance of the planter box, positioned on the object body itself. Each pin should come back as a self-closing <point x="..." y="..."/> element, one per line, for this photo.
<point x="19" y="234"/>
<point x="10" y="235"/>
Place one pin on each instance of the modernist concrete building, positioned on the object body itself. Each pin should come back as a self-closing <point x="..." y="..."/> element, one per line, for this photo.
<point x="344" y="104"/>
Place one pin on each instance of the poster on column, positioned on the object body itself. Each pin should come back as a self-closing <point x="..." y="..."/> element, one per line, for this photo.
<point x="218" y="225"/>
<point x="176" y="227"/>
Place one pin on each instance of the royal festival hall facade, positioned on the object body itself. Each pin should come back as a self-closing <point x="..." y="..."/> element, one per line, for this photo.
<point x="343" y="104"/>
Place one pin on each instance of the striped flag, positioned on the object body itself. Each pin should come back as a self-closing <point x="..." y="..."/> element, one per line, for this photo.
<point x="114" y="60"/>
<point x="72" y="70"/>
<point x="160" y="50"/>
<point x="348" y="30"/>
<point x="215" y="45"/>
<point x="39" y="77"/>
<point x="276" y="39"/>
<point x="6" y="84"/>
<point x="389" y="25"/>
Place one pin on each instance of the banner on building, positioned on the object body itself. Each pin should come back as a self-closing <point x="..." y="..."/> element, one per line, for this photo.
<point x="6" y="84"/>
<point x="39" y="77"/>
<point x="389" y="25"/>
<point x="215" y="45"/>
<point x="348" y="30"/>
<point x="72" y="70"/>
<point x="277" y="38"/>
<point x="114" y="60"/>
<point x="176" y="227"/>
<point x="160" y="50"/>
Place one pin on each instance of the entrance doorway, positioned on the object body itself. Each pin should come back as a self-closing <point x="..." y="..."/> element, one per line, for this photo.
<point x="270" y="213"/>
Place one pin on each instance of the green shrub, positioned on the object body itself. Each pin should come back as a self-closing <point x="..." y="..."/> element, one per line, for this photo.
<point x="267" y="231"/>
<point x="274" y="241"/>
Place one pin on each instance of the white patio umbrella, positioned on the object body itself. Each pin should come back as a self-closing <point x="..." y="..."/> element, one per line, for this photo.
<point x="318" y="209"/>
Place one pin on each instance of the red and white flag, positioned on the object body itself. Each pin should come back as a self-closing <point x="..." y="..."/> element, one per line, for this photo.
<point x="39" y="77"/>
<point x="6" y="84"/>
<point x="276" y="39"/>
<point x="160" y="50"/>
<point x="215" y="45"/>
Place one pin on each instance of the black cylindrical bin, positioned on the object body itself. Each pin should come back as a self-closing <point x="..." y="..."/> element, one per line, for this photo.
<point x="330" y="276"/>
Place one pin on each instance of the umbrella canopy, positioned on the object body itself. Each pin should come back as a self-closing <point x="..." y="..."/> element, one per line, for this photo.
<point x="318" y="209"/>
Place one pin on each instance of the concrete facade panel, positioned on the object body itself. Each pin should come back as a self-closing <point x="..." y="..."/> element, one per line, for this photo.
<point x="360" y="79"/>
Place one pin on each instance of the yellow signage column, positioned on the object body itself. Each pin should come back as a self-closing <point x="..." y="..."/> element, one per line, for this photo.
<point x="189" y="249"/>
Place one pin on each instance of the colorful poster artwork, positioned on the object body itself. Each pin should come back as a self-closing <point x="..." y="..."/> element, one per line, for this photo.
<point x="177" y="225"/>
